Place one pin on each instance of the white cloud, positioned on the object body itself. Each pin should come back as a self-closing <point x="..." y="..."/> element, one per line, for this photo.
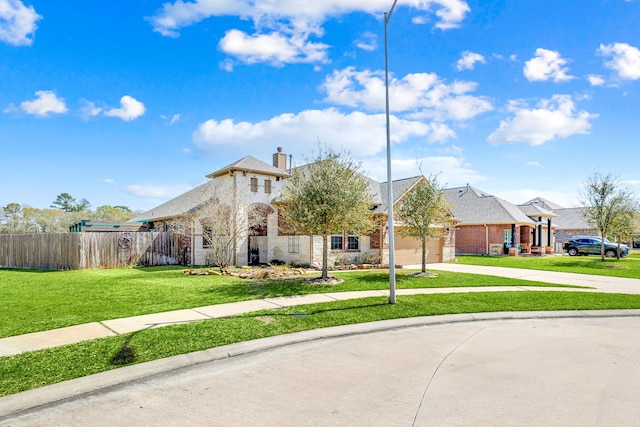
<point x="156" y="191"/>
<point x="468" y="60"/>
<point x="89" y="109"/>
<point x="130" y="109"/>
<point x="360" y="133"/>
<point x="109" y="181"/>
<point x="368" y="41"/>
<point x="174" y="119"/>
<point x="283" y="27"/>
<point x="595" y="80"/>
<point x="554" y="118"/>
<point x="424" y="95"/>
<point x="274" y="48"/>
<point x="534" y="164"/>
<point x="17" y="23"/>
<point x="454" y="170"/>
<point x="46" y="103"/>
<point x="547" y="65"/>
<point x="625" y="59"/>
<point x="450" y="12"/>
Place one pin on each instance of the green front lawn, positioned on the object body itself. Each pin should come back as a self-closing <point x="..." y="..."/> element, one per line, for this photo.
<point x="35" y="300"/>
<point x="40" y="368"/>
<point x="626" y="267"/>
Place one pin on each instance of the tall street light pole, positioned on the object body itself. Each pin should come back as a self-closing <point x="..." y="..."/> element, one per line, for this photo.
<point x="392" y="257"/>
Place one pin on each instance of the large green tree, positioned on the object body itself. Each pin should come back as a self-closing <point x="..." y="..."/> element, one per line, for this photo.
<point x="424" y="213"/>
<point x="65" y="202"/>
<point x="113" y="213"/>
<point x="626" y="224"/>
<point x="328" y="196"/>
<point x="12" y="218"/>
<point x="606" y="204"/>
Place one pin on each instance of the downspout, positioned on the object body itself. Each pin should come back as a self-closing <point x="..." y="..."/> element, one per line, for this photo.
<point x="486" y="237"/>
<point x="235" y="219"/>
<point x="193" y="243"/>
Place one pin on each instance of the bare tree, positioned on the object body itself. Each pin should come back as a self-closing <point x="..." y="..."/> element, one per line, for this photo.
<point x="605" y="204"/>
<point x="424" y="213"/>
<point x="225" y="219"/>
<point x="328" y="196"/>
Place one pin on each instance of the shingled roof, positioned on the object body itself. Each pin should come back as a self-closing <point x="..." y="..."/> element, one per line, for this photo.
<point x="399" y="187"/>
<point x="249" y="164"/>
<point x="473" y="206"/>
<point x="182" y="204"/>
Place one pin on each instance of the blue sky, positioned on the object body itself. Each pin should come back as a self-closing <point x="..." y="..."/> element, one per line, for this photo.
<point x="134" y="102"/>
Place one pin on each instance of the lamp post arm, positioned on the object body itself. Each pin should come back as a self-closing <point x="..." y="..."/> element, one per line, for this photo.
<point x="388" y="15"/>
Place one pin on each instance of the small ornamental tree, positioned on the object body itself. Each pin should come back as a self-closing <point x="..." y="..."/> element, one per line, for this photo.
<point x="605" y="204"/>
<point x="328" y="196"/>
<point x="424" y="213"/>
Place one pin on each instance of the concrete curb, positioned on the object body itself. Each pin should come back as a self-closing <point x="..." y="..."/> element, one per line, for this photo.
<point x="97" y="384"/>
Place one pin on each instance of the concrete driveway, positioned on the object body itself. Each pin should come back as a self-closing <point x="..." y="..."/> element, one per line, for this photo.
<point x="515" y="369"/>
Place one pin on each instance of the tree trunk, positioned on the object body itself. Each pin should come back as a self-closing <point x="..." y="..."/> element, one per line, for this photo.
<point x="424" y="254"/>
<point x="325" y="258"/>
<point x="602" y="247"/>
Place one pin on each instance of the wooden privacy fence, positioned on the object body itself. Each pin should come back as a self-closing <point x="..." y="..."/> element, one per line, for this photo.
<point x="74" y="251"/>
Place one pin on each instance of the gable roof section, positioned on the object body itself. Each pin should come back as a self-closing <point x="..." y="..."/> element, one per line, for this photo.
<point x="472" y="206"/>
<point x="399" y="188"/>
<point x="249" y="164"/>
<point x="571" y="219"/>
<point x="536" y="211"/>
<point x="180" y="205"/>
<point x="544" y="203"/>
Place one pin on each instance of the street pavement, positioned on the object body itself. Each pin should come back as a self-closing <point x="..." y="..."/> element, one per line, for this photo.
<point x="516" y="369"/>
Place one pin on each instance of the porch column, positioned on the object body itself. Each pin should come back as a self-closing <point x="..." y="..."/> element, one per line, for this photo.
<point x="540" y="231"/>
<point x="549" y="234"/>
<point x="534" y="234"/>
<point x="513" y="235"/>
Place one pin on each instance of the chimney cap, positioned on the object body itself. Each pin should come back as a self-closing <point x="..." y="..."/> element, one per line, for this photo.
<point x="279" y="149"/>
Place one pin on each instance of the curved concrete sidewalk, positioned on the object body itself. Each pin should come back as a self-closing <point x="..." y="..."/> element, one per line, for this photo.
<point x="73" y="334"/>
<point x="503" y="369"/>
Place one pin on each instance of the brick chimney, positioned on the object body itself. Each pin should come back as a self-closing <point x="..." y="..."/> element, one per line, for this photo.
<point x="280" y="159"/>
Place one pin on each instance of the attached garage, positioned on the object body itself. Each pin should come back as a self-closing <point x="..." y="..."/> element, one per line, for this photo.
<point x="409" y="250"/>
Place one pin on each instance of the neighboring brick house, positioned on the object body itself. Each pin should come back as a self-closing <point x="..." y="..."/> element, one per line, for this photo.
<point x="251" y="182"/>
<point x="570" y="221"/>
<point x="490" y="225"/>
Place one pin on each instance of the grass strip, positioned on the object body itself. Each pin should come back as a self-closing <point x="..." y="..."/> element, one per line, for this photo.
<point x="34" y="301"/>
<point x="627" y="267"/>
<point x="39" y="368"/>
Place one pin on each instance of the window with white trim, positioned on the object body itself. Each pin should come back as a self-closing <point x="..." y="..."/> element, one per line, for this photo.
<point x="337" y="243"/>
